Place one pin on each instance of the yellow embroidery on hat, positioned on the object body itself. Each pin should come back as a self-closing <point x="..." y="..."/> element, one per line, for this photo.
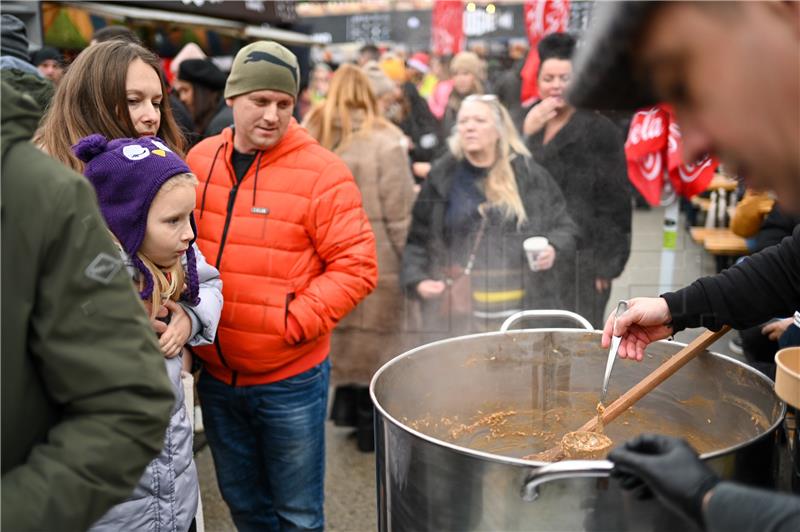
<point x="160" y="152"/>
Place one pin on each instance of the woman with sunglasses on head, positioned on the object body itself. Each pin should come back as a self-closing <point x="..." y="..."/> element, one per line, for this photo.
<point x="115" y="89"/>
<point x="584" y="152"/>
<point x="481" y="201"/>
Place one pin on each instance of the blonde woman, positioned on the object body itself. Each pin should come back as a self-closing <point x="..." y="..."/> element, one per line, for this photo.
<point x="478" y="205"/>
<point x="350" y="124"/>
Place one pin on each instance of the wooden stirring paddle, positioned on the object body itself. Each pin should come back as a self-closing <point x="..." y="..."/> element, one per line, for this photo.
<point x="642" y="388"/>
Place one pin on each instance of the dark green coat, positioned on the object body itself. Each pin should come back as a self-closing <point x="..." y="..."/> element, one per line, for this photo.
<point x="85" y="396"/>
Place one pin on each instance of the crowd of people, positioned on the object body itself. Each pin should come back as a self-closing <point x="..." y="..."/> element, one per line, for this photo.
<point x="276" y="236"/>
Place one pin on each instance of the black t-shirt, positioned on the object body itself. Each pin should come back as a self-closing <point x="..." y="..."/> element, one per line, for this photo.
<point x="241" y="163"/>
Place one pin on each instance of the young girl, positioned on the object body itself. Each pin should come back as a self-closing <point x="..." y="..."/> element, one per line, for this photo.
<point x="146" y="195"/>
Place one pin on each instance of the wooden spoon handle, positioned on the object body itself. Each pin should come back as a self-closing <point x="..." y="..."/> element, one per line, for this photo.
<point x="659" y="375"/>
<point x="642" y="388"/>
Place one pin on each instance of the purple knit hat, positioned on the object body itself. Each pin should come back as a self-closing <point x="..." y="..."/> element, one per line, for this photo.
<point x="127" y="174"/>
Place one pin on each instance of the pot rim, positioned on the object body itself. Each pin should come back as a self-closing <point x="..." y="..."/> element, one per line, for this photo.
<point x="521" y="462"/>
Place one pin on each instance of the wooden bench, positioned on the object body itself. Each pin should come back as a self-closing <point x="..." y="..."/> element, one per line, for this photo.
<point x="699" y="234"/>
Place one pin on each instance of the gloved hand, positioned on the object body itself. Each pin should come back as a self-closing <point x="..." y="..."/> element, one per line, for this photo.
<point x="669" y="467"/>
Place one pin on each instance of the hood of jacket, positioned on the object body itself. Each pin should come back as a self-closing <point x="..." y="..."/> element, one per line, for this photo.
<point x="20" y="116"/>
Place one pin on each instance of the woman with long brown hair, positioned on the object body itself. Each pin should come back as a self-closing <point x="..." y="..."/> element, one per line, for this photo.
<point x="481" y="201"/>
<point x="349" y="123"/>
<point x="115" y="89"/>
<point x="109" y="89"/>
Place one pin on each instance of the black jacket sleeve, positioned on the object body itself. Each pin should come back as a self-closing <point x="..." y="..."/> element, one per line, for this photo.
<point x="562" y="230"/>
<point x="746" y="509"/>
<point x="417" y="263"/>
<point x="765" y="285"/>
<point x="612" y="193"/>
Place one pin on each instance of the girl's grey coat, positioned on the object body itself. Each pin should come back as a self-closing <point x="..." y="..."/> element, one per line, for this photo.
<point x="166" y="497"/>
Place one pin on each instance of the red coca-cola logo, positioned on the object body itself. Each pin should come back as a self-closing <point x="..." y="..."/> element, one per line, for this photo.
<point x="647" y="133"/>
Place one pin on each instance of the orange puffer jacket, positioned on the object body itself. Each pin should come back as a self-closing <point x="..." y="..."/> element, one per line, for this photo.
<point x="294" y="248"/>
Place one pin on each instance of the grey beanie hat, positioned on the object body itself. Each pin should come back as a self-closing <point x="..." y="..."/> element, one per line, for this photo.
<point x="604" y="75"/>
<point x="13" y="38"/>
<point x="263" y="65"/>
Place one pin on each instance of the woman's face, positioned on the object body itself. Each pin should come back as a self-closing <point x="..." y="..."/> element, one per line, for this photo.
<point x="169" y="230"/>
<point x="554" y="75"/>
<point x="185" y="92"/>
<point x="477" y="132"/>
<point x="143" y="92"/>
<point x="463" y="82"/>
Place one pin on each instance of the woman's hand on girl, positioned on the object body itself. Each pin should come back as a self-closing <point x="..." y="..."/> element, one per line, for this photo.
<point x="546" y="258"/>
<point x="429" y="289"/>
<point x="177" y="332"/>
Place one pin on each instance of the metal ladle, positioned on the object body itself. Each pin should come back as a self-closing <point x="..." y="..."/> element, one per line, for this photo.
<point x="622" y="306"/>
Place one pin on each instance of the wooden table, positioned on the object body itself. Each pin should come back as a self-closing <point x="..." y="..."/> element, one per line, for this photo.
<point x="725" y="243"/>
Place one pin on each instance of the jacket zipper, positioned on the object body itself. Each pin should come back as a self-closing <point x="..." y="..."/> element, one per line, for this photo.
<point x="234" y="374"/>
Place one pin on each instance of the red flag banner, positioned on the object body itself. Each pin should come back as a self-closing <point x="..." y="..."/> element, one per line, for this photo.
<point x="447" y="31"/>
<point x="688" y="179"/>
<point x="542" y="17"/>
<point x="653" y="147"/>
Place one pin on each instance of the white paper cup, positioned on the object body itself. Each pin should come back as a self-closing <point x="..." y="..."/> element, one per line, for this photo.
<point x="533" y="246"/>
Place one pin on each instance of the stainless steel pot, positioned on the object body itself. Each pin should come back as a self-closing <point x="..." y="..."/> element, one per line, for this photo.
<point x="425" y="483"/>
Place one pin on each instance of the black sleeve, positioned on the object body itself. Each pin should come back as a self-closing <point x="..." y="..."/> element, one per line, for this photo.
<point x="764" y="285"/>
<point x="426" y="129"/>
<point x="562" y="230"/>
<point x="613" y="245"/>
<point x="416" y="265"/>
<point x="746" y="509"/>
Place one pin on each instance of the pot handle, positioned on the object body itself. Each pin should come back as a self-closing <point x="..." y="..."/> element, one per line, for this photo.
<point x="563" y="470"/>
<point x="546" y="314"/>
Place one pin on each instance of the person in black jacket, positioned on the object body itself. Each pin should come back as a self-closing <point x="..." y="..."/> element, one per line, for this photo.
<point x="483" y="200"/>
<point x="584" y="153"/>
<point x="640" y="53"/>
<point x="761" y="342"/>
<point x="199" y="86"/>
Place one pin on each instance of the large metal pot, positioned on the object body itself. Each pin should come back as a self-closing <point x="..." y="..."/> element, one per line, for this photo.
<point x="427" y="483"/>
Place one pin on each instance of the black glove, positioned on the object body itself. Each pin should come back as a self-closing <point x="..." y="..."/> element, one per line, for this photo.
<point x="667" y="466"/>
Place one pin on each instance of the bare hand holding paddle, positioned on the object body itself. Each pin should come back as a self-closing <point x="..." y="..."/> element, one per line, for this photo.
<point x="647" y="320"/>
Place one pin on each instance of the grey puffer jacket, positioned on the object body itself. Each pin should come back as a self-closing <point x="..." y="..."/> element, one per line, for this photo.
<point x="166" y="497"/>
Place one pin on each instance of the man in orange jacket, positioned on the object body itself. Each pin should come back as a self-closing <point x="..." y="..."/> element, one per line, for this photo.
<point x="282" y="220"/>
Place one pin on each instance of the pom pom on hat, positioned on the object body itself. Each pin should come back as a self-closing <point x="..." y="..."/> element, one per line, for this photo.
<point x="90" y="147"/>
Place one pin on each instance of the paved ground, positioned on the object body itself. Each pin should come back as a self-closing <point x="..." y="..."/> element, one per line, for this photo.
<point x="350" y="482"/>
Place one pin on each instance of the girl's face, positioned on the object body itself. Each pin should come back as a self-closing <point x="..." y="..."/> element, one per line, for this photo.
<point x="168" y="228"/>
<point x="477" y="132"/>
<point x="554" y="75"/>
<point x="143" y="92"/>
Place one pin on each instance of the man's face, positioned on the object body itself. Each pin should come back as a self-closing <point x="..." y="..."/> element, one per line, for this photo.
<point x="732" y="73"/>
<point x="51" y="69"/>
<point x="260" y="119"/>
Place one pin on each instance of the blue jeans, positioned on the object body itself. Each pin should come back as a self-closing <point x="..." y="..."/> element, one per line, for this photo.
<point x="268" y="444"/>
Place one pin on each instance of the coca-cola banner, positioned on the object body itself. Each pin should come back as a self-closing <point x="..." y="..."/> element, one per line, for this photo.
<point x="542" y="17"/>
<point x="447" y="27"/>
<point x="688" y="179"/>
<point x="653" y="149"/>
